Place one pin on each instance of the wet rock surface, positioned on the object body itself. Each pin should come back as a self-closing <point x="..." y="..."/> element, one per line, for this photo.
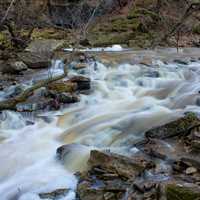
<point x="36" y="60"/>
<point x="12" y="67"/>
<point x="175" y="128"/>
<point x="48" y="45"/>
<point x="59" y="193"/>
<point x="109" y="176"/>
<point x="163" y="168"/>
<point x="122" y="166"/>
<point x="53" y="95"/>
<point x="56" y="95"/>
<point x="178" y="191"/>
<point x="76" y="83"/>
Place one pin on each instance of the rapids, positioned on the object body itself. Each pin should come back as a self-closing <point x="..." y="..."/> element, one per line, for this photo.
<point x="126" y="100"/>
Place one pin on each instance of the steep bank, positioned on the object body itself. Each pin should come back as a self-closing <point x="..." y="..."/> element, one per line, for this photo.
<point x="136" y="24"/>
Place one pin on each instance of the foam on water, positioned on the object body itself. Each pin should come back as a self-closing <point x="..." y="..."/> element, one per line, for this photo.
<point x="108" y="49"/>
<point x="126" y="101"/>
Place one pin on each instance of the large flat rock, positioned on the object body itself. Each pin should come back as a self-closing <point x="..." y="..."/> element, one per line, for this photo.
<point x="45" y="45"/>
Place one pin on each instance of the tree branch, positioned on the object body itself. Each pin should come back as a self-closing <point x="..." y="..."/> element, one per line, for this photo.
<point x="7" y="12"/>
<point x="191" y="8"/>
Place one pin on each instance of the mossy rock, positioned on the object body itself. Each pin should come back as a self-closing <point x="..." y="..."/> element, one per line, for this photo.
<point x="119" y="24"/>
<point x="49" y="33"/>
<point x="138" y="12"/>
<point x="5" y="41"/>
<point x="176" y="192"/>
<point x="124" y="24"/>
<point x="174" y="128"/>
<point x="63" y="86"/>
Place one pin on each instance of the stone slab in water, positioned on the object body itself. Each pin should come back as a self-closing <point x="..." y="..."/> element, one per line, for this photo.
<point x="174" y="128"/>
<point x="122" y="165"/>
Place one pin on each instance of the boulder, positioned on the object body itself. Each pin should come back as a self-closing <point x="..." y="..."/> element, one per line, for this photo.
<point x="192" y="141"/>
<point x="66" y="98"/>
<point x="181" y="61"/>
<point x="60" y="97"/>
<point x="83" y="83"/>
<point x="12" y="66"/>
<point x="175" y="128"/>
<point x="76" y="83"/>
<point x="187" y="165"/>
<point x="36" y="60"/>
<point x="110" y="191"/>
<point x="45" y="45"/>
<point x="178" y="191"/>
<point x="63" y="86"/>
<point x="121" y="165"/>
<point x="109" y="177"/>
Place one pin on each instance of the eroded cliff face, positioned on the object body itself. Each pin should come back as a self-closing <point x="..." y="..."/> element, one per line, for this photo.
<point x="135" y="23"/>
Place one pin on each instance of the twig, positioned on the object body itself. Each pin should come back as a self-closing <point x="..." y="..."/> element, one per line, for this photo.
<point x="191" y="8"/>
<point x="7" y="12"/>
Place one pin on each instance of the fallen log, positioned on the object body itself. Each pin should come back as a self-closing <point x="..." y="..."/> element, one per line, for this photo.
<point x="10" y="104"/>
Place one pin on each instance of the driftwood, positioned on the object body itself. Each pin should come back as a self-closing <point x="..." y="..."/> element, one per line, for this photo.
<point x="11" y="104"/>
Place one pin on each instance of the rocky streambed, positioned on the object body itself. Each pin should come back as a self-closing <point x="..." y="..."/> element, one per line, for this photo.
<point x="120" y="125"/>
<point x="166" y="166"/>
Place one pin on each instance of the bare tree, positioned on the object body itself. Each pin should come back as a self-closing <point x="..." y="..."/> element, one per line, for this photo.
<point x="7" y="12"/>
<point x="81" y="21"/>
<point x="19" y="18"/>
<point x="176" y="28"/>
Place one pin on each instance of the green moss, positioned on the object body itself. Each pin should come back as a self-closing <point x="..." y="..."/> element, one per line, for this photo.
<point x="124" y="24"/>
<point x="176" y="127"/>
<point x="5" y="41"/>
<point x="183" y="124"/>
<point x="175" y="192"/>
<point x="127" y="29"/>
<point x="142" y="12"/>
<point x="63" y="87"/>
<point x="196" y="29"/>
<point x="49" y="33"/>
<point x="121" y="24"/>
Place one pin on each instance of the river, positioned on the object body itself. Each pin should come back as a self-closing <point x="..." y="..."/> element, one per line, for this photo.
<point x="126" y="100"/>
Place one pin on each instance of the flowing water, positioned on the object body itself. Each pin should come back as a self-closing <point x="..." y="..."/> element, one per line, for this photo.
<point x="126" y="100"/>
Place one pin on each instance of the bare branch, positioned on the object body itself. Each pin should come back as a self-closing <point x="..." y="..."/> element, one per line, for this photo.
<point x="7" y="12"/>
